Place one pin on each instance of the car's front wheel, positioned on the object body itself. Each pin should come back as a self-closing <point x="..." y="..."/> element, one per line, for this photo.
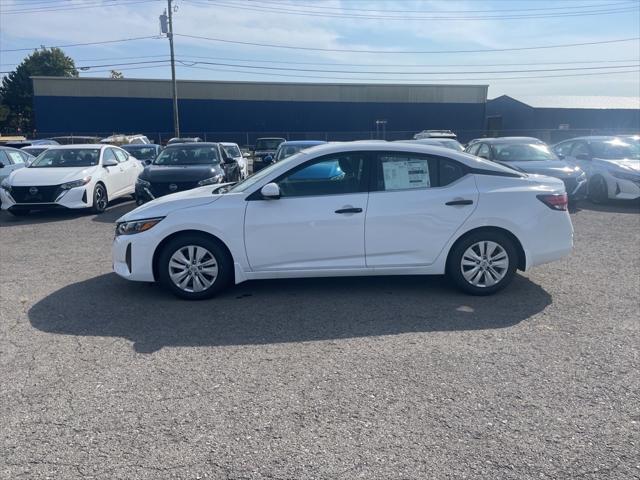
<point x="483" y="263"/>
<point x="194" y="267"/>
<point x="100" y="199"/>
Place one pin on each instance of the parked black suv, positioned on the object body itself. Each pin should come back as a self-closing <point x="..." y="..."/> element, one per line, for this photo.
<point x="265" y="147"/>
<point x="185" y="166"/>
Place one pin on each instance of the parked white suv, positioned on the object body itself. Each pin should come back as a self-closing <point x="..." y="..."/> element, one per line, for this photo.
<point x="71" y="176"/>
<point x="359" y="208"/>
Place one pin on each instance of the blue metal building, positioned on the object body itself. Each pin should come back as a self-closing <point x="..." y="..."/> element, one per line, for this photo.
<point x="242" y="111"/>
<point x="554" y="118"/>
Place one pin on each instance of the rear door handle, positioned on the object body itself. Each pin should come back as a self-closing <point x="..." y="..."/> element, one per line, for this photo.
<point x="349" y="210"/>
<point x="459" y="202"/>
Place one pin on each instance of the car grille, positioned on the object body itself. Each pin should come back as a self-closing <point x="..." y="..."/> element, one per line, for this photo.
<point x="160" y="189"/>
<point x="39" y="194"/>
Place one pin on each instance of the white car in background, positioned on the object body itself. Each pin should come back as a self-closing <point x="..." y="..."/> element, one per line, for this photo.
<point x="71" y="176"/>
<point x="612" y="165"/>
<point x="359" y="208"/>
<point x="233" y="151"/>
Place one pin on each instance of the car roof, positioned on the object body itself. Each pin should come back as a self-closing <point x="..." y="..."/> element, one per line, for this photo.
<point x="304" y="142"/>
<point x="510" y="140"/>
<point x="139" y="145"/>
<point x="80" y="145"/>
<point x="229" y="144"/>
<point x="370" y="145"/>
<point x="193" y="144"/>
<point x="595" y="137"/>
<point x="270" y="138"/>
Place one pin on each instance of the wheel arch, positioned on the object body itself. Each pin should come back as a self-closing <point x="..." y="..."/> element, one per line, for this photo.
<point x="522" y="257"/>
<point x="163" y="243"/>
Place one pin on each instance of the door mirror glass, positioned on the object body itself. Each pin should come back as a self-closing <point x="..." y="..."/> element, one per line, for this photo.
<point x="147" y="162"/>
<point x="246" y="154"/>
<point x="109" y="162"/>
<point x="270" y="191"/>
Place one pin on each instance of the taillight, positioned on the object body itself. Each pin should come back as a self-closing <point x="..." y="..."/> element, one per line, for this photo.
<point x="555" y="201"/>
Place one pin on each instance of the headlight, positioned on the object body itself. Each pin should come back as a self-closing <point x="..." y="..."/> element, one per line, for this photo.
<point x="143" y="183"/>
<point x="136" y="226"/>
<point x="211" y="180"/>
<point x="634" y="177"/>
<point x="5" y="185"/>
<point x="75" y="183"/>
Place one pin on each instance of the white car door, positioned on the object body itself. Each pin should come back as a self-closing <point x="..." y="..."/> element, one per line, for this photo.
<point x="10" y="161"/>
<point x="416" y="203"/>
<point x="318" y="223"/>
<point x="130" y="168"/>
<point x="114" y="177"/>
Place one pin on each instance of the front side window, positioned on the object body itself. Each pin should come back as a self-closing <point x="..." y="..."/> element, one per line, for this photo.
<point x="563" y="148"/>
<point x="473" y="149"/>
<point x="109" y="155"/>
<point x="67" y="158"/>
<point x="121" y="156"/>
<point x="188" y="154"/>
<point x="332" y="175"/>
<point x="580" y="149"/>
<point x="484" y="151"/>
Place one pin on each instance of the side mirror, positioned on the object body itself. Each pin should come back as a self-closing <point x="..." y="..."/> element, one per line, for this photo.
<point x="246" y="154"/>
<point x="147" y="162"/>
<point x="1" y="165"/>
<point x="271" y="191"/>
<point x="109" y="162"/>
<point x="268" y="159"/>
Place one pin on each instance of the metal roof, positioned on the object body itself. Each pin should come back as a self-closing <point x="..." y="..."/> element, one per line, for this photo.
<point x="259" y="91"/>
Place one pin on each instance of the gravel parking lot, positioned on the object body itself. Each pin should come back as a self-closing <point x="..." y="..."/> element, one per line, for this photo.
<point x="372" y="378"/>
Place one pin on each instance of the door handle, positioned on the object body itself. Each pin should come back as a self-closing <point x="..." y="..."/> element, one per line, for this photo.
<point x="349" y="210"/>
<point x="459" y="202"/>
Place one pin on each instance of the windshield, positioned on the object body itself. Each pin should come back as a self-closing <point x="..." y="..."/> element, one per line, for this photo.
<point x="256" y="177"/>
<point x="523" y="152"/>
<point x="188" y="154"/>
<point x="67" y="158"/>
<point x="268" y="143"/>
<point x="141" y="153"/>
<point x="232" y="150"/>
<point x="616" y="149"/>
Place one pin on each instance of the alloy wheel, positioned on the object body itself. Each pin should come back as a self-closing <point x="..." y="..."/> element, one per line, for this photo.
<point x="193" y="268"/>
<point x="101" y="198"/>
<point x="484" y="264"/>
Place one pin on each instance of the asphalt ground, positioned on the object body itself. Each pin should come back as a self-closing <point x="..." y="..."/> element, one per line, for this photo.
<point x="349" y="378"/>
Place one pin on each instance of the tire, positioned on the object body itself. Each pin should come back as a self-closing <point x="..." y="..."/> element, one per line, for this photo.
<point x="19" y="213"/>
<point x="100" y="199"/>
<point x="483" y="274"/>
<point x="598" y="190"/>
<point x="198" y="285"/>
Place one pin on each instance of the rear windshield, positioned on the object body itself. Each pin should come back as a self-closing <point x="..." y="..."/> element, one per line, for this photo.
<point x="141" y="153"/>
<point x="268" y="143"/>
<point x="188" y="154"/>
<point x="61" y="158"/>
<point x="523" y="152"/>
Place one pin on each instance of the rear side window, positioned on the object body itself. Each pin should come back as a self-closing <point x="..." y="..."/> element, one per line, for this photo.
<point x="399" y="171"/>
<point x="16" y="157"/>
<point x="484" y="151"/>
<point x="449" y="172"/>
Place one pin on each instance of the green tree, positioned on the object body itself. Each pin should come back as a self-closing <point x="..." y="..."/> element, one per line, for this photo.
<point x="16" y="91"/>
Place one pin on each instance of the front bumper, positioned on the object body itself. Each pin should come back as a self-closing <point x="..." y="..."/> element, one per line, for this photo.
<point x="74" y="198"/>
<point x="622" y="189"/>
<point x="576" y="189"/>
<point x="132" y="256"/>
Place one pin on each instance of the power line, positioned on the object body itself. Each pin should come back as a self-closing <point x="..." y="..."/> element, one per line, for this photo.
<point x="284" y="11"/>
<point x="341" y="8"/>
<point x="383" y="52"/>
<point x="104" y="42"/>
<point x="57" y="8"/>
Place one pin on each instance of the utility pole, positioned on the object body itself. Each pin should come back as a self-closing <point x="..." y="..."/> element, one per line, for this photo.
<point x="167" y="27"/>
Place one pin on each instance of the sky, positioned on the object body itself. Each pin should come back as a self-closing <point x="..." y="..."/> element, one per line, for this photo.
<point x="334" y="39"/>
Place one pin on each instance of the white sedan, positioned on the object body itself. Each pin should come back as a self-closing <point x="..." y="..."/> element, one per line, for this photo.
<point x="360" y="208"/>
<point x="71" y="176"/>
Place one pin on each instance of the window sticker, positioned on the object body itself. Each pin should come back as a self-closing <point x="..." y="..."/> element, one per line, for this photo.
<point x="405" y="174"/>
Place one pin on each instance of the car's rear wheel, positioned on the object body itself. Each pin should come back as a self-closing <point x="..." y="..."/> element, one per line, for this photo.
<point x="483" y="263"/>
<point x="194" y="267"/>
<point x="598" y="190"/>
<point x="100" y="199"/>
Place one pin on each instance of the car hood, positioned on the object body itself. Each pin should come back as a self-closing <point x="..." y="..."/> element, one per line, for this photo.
<point x="553" y="168"/>
<point x="182" y="173"/>
<point x="624" y="164"/>
<point x="162" y="206"/>
<point x="48" y="176"/>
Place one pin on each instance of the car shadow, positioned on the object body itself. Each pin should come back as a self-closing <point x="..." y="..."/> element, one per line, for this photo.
<point x="612" y="206"/>
<point x="279" y="311"/>
<point x="116" y="209"/>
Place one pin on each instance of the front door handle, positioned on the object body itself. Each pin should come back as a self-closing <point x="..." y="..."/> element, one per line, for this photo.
<point x="459" y="202"/>
<point x="349" y="210"/>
